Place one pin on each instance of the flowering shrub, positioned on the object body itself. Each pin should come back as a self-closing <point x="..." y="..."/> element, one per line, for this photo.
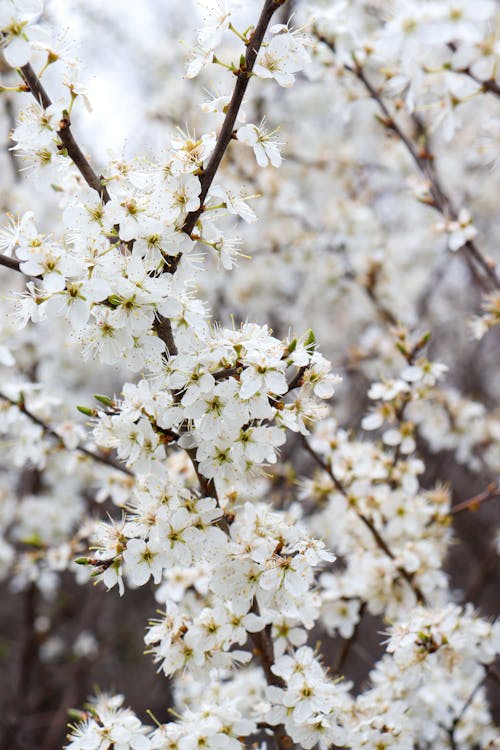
<point x="168" y="420"/>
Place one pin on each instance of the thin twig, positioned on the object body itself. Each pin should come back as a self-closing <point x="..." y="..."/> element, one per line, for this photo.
<point x="348" y="642"/>
<point x="264" y="650"/>
<point x="492" y="491"/>
<point x="489" y="86"/>
<point x="440" y="200"/>
<point x="48" y="430"/>
<point x="489" y="672"/>
<point x="225" y="136"/>
<point x="74" y="151"/>
<point x="379" y="540"/>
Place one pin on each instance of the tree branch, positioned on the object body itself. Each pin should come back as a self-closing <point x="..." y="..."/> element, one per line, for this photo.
<point x="243" y="76"/>
<point x="100" y="457"/>
<point x="264" y="650"/>
<point x="348" y="642"/>
<point x="492" y="491"/>
<point x="11" y="263"/>
<point x="440" y="201"/>
<point x="379" y="540"/>
<point x="74" y="151"/>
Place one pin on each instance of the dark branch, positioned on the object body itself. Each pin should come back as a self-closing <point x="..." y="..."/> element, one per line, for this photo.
<point x="100" y="457"/>
<point x="74" y="151"/>
<point x="348" y="642"/>
<point x="379" y="540"/>
<point x="492" y="491"/>
<point x="440" y="201"/>
<point x="243" y="76"/>
<point x="11" y="263"/>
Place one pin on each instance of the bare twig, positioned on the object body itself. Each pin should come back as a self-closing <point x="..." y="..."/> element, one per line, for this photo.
<point x="451" y="732"/>
<point x="492" y="491"/>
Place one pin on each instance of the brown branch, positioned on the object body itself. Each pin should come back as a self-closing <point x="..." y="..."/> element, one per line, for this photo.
<point x="163" y="328"/>
<point x="492" y="491"/>
<point x="296" y="381"/>
<point x="243" y="76"/>
<point x="440" y="201"/>
<point x="74" y="151"/>
<point x="264" y="650"/>
<point x="464" y="708"/>
<point x="11" y="263"/>
<point x="99" y="457"/>
<point x="488" y="85"/>
<point x="492" y="673"/>
<point x="225" y="136"/>
<point x="348" y="642"/>
<point x="379" y="540"/>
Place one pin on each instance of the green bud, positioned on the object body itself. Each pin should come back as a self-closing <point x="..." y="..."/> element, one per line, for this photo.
<point x="106" y="400"/>
<point x="33" y="541"/>
<point x="88" y="412"/>
<point x="76" y="714"/>
<point x="82" y="561"/>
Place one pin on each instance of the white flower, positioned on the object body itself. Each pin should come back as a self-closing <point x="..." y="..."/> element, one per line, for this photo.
<point x="282" y="57"/>
<point x="234" y="203"/>
<point x="144" y="560"/>
<point x="15" y="16"/>
<point x="460" y="230"/>
<point x="266" y="150"/>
